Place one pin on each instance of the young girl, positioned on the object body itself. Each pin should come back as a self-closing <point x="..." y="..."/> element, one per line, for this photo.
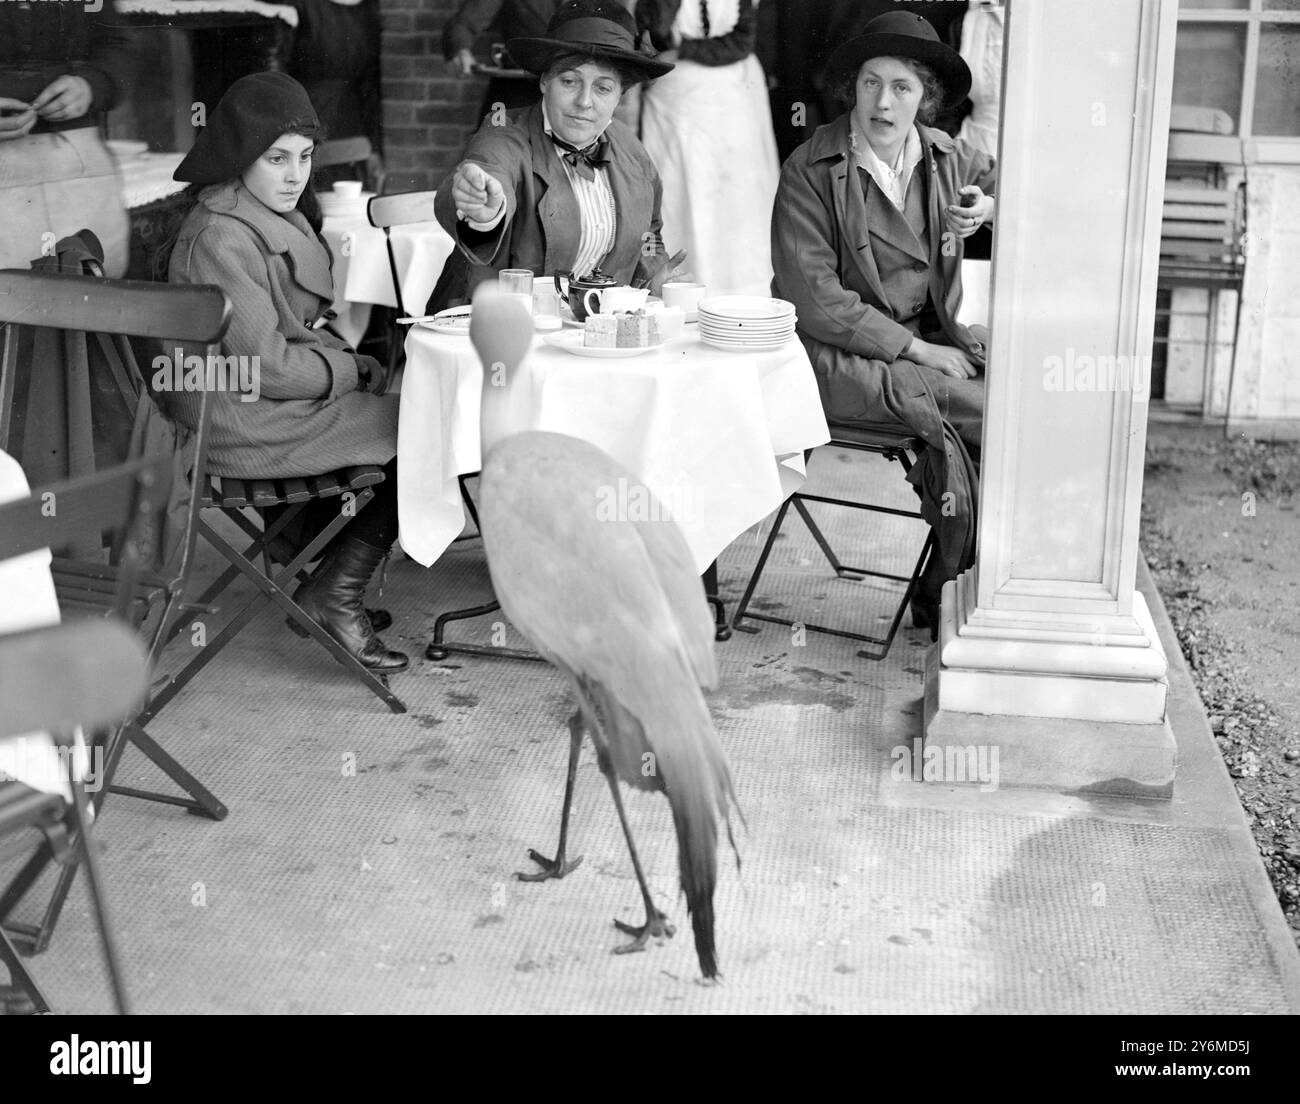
<point x="316" y="405"/>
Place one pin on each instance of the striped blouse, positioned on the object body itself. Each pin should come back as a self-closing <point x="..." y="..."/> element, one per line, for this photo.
<point x="596" y="210"/>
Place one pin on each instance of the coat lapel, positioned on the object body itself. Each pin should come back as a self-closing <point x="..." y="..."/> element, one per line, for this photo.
<point x="632" y="192"/>
<point x="832" y="143"/>
<point x="306" y="254"/>
<point x="889" y="224"/>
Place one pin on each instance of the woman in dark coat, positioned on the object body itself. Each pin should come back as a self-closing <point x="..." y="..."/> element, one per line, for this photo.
<point x="563" y="185"/>
<point x="867" y="235"/>
<point x="315" y="404"/>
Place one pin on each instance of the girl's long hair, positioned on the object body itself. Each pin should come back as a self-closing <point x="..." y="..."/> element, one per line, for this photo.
<point x="308" y="204"/>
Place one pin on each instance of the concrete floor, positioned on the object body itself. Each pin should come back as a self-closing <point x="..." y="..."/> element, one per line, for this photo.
<point x="388" y="888"/>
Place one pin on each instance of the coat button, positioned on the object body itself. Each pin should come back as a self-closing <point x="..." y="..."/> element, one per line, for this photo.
<point x="919" y="267"/>
<point x="918" y="307"/>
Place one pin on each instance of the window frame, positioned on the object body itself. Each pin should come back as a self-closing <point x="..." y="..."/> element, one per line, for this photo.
<point x="1253" y="18"/>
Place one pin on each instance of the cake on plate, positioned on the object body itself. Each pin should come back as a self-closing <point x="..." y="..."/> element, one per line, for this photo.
<point x="637" y="329"/>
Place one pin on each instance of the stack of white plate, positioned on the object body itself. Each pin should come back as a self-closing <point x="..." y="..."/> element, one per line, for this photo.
<point x="747" y="322"/>
<point x="344" y="208"/>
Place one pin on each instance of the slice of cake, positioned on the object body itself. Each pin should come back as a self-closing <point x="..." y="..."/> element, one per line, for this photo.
<point x="600" y="331"/>
<point x="637" y="329"/>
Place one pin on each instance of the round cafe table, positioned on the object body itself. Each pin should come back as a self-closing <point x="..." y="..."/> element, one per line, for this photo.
<point x="363" y="277"/>
<point x="717" y="436"/>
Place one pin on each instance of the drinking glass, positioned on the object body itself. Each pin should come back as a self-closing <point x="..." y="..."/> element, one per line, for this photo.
<point x="518" y="282"/>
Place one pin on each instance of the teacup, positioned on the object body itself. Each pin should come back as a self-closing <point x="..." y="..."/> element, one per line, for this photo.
<point x="615" y="299"/>
<point x="678" y="293"/>
<point x="350" y="189"/>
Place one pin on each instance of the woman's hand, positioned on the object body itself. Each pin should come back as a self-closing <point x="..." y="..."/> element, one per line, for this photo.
<point x="66" y="97"/>
<point x="477" y="194"/>
<point x="964" y="221"/>
<point x="16" y="118"/>
<point x="372" y="375"/>
<point x="947" y="359"/>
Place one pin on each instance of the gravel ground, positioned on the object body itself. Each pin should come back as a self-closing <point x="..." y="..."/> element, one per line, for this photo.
<point x="1221" y="534"/>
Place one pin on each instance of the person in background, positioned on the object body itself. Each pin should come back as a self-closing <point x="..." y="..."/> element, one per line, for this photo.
<point x="62" y="67"/>
<point x="563" y="186"/>
<point x="867" y="232"/>
<point x="708" y="127"/>
<point x="335" y="57"/>
<point x="254" y="231"/>
<point x="507" y="19"/>
<point x="981" y="46"/>
<point x="791" y="47"/>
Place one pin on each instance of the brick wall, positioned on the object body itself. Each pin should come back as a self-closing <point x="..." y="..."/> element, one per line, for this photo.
<point x="428" y="114"/>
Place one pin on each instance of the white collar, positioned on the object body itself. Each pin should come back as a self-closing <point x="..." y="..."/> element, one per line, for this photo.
<point x="893" y="181"/>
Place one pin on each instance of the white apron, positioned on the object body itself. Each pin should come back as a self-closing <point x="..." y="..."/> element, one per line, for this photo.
<point x="709" y="131"/>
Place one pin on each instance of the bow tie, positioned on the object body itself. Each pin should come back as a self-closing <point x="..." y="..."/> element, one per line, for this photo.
<point x="587" y="160"/>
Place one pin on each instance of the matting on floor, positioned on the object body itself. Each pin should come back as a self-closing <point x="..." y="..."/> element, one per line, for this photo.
<point x="366" y="865"/>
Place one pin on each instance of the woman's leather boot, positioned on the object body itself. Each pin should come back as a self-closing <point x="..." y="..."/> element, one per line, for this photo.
<point x="333" y="598"/>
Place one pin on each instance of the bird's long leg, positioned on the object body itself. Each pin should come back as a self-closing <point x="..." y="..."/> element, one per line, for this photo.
<point x="656" y="923"/>
<point x="557" y="867"/>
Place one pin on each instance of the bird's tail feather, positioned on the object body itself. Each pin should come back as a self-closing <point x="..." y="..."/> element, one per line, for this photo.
<point x="698" y="862"/>
<point x="697" y="782"/>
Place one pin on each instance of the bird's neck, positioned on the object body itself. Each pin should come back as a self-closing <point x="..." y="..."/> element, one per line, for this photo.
<point x="507" y="406"/>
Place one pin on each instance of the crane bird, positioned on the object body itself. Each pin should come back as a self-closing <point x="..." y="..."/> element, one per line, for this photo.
<point x="617" y="606"/>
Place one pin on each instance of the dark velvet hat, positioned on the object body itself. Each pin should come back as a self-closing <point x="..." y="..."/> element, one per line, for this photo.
<point x="253" y="113"/>
<point x="602" y="28"/>
<point x="903" y="35"/>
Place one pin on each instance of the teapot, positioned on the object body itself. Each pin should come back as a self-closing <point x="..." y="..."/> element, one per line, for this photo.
<point x="578" y="287"/>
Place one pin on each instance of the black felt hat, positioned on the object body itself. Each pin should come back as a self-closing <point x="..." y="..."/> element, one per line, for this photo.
<point x="602" y="28"/>
<point x="903" y="35"/>
<point x="253" y="113"/>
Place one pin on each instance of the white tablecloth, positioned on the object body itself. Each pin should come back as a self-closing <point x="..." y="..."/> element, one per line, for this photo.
<point x="362" y="276"/>
<point x="28" y="601"/>
<point x="147" y="177"/>
<point x="717" y="436"/>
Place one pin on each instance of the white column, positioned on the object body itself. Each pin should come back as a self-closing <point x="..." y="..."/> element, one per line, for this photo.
<point x="1046" y="650"/>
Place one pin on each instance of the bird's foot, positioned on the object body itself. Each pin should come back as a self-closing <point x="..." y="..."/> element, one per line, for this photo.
<point x="656" y="924"/>
<point x="551" y="868"/>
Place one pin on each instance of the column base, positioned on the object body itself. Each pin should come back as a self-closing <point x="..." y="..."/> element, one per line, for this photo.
<point x="1051" y="753"/>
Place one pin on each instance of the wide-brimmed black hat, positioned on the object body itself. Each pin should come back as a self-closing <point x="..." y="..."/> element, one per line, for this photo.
<point x="602" y="28"/>
<point x="903" y="35"/>
<point x="253" y="113"/>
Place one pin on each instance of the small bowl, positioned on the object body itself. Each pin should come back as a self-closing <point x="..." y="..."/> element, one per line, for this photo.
<point x="349" y="189"/>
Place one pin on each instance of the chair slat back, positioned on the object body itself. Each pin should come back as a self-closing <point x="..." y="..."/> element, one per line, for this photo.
<point x="1200" y="236"/>
<point x="341" y="151"/>
<point x="196" y="313"/>
<point x="401" y="208"/>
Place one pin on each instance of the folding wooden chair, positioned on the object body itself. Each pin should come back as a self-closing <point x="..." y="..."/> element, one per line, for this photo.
<point x="286" y="498"/>
<point x="892" y="446"/>
<point x="150" y="599"/>
<point x="352" y="153"/>
<point x="90" y="674"/>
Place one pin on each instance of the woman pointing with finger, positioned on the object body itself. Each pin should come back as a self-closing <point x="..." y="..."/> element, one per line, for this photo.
<point x="562" y="185"/>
